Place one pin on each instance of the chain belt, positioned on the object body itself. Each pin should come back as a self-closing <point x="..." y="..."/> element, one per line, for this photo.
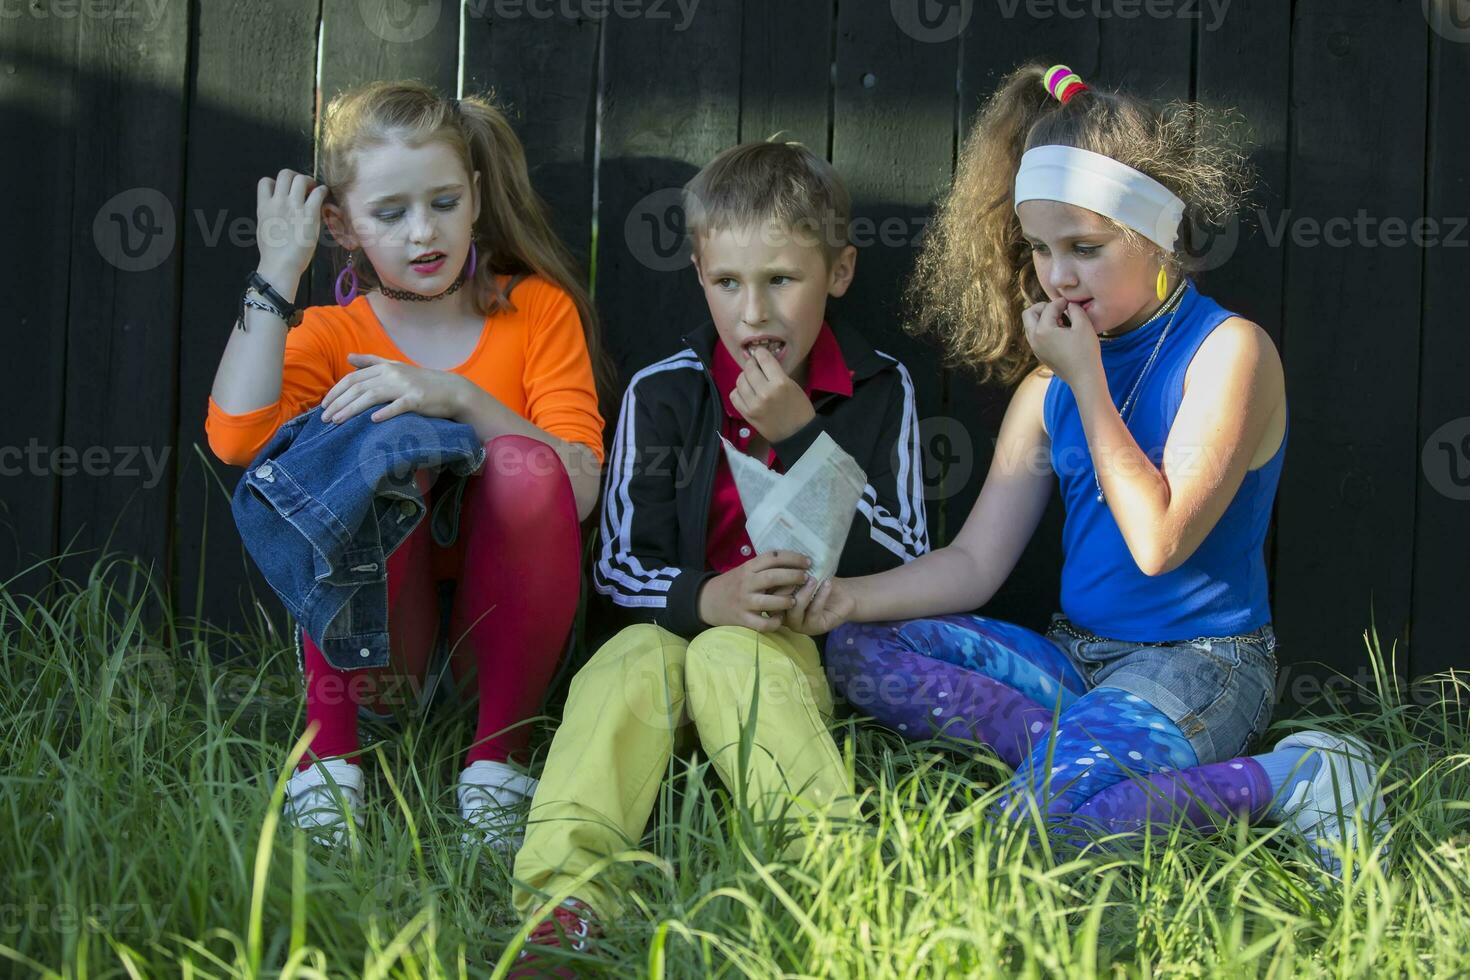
<point x="1077" y="632"/>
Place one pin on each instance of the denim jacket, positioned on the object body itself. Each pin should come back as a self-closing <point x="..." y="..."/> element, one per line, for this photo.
<point x="324" y="504"/>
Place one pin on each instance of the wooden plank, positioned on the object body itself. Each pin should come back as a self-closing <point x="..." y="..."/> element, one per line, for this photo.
<point x="39" y="84"/>
<point x="543" y="71"/>
<point x="237" y="134"/>
<point x="893" y="141"/>
<point x="1441" y="561"/>
<point x="1150" y="54"/>
<point x="994" y="44"/>
<point x="122" y="318"/>
<point x="786" y="72"/>
<point x="656" y="134"/>
<point x="1246" y="63"/>
<point x="382" y="40"/>
<point x="1352" y="310"/>
<point x="378" y="40"/>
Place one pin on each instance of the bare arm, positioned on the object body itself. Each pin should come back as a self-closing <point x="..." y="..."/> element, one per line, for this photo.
<point x="965" y="574"/>
<point x="249" y="372"/>
<point x="1236" y="386"/>
<point x="288" y="210"/>
<point x="490" y="418"/>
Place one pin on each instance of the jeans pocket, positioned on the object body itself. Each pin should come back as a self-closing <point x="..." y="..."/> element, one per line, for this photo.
<point x="1263" y="718"/>
<point x="1259" y="649"/>
<point x="1226" y="652"/>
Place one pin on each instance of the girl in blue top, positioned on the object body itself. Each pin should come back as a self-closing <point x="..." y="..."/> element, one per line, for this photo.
<point x="1164" y="418"/>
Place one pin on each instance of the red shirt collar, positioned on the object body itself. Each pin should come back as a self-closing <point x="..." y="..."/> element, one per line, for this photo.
<point x="826" y="369"/>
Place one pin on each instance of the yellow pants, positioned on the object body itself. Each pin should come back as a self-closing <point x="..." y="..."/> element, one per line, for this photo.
<point x="626" y="715"/>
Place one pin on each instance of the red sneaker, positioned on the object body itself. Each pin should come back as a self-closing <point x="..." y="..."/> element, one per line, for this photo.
<point x="572" y="925"/>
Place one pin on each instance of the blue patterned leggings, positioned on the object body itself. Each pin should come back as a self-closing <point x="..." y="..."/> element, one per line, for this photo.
<point x="1090" y="758"/>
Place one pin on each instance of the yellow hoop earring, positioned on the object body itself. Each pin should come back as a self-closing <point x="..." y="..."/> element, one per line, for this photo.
<point x="1162" y="285"/>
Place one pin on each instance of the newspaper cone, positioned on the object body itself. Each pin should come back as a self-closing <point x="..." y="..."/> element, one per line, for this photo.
<point x="807" y="509"/>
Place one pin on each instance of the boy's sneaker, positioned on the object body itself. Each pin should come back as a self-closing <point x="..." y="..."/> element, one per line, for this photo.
<point x="572" y="925"/>
<point x="491" y="795"/>
<point x="1341" y="796"/>
<point x="313" y="804"/>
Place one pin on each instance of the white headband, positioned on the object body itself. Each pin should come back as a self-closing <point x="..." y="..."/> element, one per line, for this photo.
<point x="1100" y="183"/>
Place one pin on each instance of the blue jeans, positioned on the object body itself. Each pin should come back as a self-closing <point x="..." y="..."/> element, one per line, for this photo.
<point x="1218" y="690"/>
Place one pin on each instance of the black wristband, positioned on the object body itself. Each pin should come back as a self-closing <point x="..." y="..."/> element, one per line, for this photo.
<point x="285" y="310"/>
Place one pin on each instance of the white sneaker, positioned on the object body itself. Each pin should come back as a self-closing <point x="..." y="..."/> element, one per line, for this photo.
<point x="313" y="804"/>
<point x="490" y="798"/>
<point x="1341" y="796"/>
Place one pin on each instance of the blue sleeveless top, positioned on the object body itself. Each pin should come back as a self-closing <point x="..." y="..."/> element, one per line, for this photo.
<point x="1220" y="590"/>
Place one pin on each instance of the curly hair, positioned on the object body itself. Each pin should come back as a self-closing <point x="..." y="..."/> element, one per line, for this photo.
<point x="974" y="274"/>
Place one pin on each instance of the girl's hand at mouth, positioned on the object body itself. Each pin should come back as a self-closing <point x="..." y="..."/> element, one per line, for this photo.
<point x="1070" y="348"/>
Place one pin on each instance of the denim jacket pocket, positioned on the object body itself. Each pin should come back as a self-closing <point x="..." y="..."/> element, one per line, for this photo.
<point x="361" y="566"/>
<point x="270" y="482"/>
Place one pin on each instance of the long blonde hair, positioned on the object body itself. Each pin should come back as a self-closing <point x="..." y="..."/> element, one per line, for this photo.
<point x="974" y="273"/>
<point x="513" y="230"/>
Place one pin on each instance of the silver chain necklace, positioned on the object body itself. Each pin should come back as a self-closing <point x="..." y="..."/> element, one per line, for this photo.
<point x="1172" y="307"/>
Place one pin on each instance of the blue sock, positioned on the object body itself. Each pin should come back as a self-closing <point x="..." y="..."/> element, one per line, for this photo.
<point x="1286" y="769"/>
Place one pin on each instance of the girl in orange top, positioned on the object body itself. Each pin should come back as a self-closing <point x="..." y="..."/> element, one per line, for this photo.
<point x="455" y="301"/>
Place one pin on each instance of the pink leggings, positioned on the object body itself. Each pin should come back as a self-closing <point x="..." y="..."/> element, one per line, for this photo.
<point x="517" y="563"/>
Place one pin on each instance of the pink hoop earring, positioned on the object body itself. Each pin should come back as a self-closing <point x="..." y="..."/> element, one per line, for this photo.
<point x="344" y="298"/>
<point x="469" y="271"/>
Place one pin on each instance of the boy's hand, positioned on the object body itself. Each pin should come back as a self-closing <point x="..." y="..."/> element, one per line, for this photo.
<point x="768" y="399"/>
<point x="820" y="607"/>
<point x="766" y="583"/>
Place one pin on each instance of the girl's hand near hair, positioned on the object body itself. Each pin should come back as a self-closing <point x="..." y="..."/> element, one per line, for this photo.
<point x="820" y="607"/>
<point x="288" y="221"/>
<point x="1071" y="352"/>
<point x="288" y="215"/>
<point x="396" y="387"/>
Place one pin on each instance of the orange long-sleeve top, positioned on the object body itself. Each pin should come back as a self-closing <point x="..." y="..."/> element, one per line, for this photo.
<point x="533" y="359"/>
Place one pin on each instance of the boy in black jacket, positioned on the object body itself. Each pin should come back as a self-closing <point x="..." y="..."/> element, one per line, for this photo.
<point x="769" y="225"/>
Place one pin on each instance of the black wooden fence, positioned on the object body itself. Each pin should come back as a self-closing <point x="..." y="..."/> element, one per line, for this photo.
<point x="135" y="131"/>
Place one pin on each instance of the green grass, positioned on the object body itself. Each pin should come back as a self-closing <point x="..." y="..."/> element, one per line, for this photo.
<point x="142" y="782"/>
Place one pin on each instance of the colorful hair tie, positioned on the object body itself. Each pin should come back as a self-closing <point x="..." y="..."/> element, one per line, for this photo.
<point x="1062" y="82"/>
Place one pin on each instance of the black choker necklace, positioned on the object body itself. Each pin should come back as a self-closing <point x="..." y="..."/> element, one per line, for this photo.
<point x="419" y="297"/>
